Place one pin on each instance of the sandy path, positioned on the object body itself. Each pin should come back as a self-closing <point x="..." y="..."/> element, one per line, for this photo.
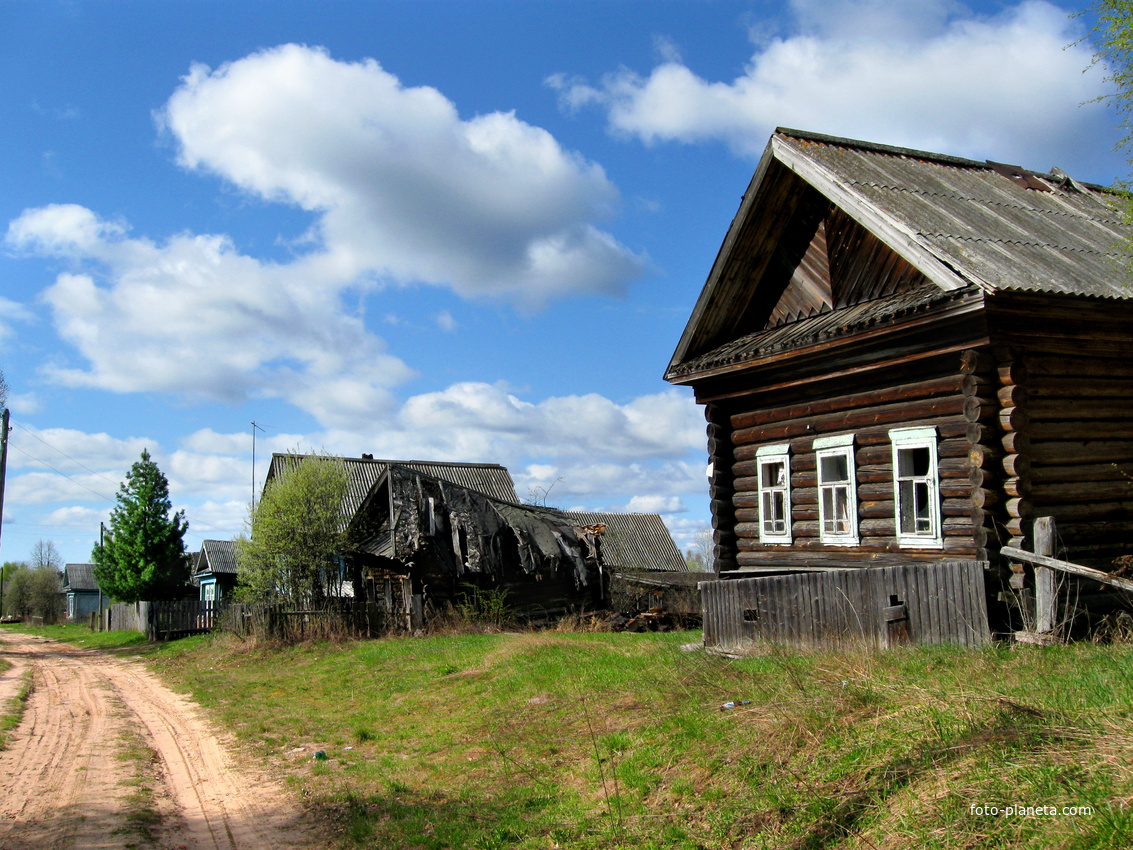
<point x="64" y="780"/>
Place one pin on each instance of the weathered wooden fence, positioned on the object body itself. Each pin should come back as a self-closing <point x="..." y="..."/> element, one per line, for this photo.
<point x="124" y="617"/>
<point x="343" y="618"/>
<point x="884" y="606"/>
<point x="162" y="620"/>
<point x="182" y="618"/>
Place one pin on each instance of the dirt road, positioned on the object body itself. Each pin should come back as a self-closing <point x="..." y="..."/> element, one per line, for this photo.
<point x="107" y="757"/>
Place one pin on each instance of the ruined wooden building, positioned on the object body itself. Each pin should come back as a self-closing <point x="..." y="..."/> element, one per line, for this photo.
<point x="435" y="531"/>
<point x="906" y="357"/>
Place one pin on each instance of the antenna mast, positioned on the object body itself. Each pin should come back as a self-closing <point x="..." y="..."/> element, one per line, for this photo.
<point x="255" y="428"/>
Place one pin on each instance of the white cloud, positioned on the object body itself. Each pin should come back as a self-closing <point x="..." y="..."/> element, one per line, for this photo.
<point x="478" y="420"/>
<point x="656" y="505"/>
<point x="401" y="188"/>
<point x="11" y="311"/>
<point x="404" y="187"/>
<point x="445" y="321"/>
<point x="928" y="75"/>
<point x="193" y="316"/>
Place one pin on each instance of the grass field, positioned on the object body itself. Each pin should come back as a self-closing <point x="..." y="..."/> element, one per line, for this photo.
<point x="551" y="739"/>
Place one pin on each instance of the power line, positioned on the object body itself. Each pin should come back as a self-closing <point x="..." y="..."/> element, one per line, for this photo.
<point x="64" y="474"/>
<point x="103" y="496"/>
<point x="57" y="449"/>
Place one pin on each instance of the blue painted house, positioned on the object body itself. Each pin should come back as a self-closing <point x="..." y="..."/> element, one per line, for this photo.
<point x="214" y="569"/>
<point x="80" y="591"/>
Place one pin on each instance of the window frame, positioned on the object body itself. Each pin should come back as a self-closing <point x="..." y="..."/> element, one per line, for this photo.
<point x="770" y="455"/>
<point x="841" y="445"/>
<point x="918" y="437"/>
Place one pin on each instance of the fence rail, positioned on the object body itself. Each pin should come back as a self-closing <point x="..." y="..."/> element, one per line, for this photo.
<point x="165" y="620"/>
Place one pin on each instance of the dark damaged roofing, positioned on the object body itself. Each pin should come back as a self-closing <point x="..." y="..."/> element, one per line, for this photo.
<point x="217" y="557"/>
<point x="967" y="225"/>
<point x="491" y="479"/>
<point x="79" y="578"/>
<point x="901" y="306"/>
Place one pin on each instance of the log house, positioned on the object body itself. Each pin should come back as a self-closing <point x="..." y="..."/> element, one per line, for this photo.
<point x="906" y="357"/>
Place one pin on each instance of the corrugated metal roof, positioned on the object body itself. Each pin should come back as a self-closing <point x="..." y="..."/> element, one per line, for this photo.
<point x="217" y="557"/>
<point x="633" y="541"/>
<point x="79" y="577"/>
<point x="991" y="229"/>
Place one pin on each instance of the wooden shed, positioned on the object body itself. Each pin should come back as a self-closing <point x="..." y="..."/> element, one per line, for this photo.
<point x="905" y="357"/>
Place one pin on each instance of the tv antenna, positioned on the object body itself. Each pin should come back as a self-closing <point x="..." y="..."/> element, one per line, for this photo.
<point x="255" y="428"/>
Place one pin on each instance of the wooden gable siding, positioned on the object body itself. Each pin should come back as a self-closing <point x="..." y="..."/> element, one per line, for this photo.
<point x="1065" y="403"/>
<point x="843" y="264"/>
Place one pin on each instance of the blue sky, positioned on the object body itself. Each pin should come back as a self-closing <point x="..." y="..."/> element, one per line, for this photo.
<point x="433" y="230"/>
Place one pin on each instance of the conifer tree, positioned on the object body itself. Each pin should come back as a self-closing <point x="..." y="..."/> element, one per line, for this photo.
<point x="143" y="555"/>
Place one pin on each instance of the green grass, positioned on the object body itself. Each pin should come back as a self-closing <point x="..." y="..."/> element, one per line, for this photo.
<point x="142" y="816"/>
<point x="601" y="740"/>
<point x="13" y="712"/>
<point x="81" y="635"/>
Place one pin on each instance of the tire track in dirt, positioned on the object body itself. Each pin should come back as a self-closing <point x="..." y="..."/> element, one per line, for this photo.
<point x="64" y="783"/>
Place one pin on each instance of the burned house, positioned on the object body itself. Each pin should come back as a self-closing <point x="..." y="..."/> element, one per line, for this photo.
<point x="905" y="358"/>
<point x="429" y="533"/>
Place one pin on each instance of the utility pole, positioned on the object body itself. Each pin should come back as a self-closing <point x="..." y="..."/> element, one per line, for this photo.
<point x="255" y="428"/>
<point x="3" y="471"/>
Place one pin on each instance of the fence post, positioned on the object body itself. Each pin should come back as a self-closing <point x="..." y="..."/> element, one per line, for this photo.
<point x="1046" y="598"/>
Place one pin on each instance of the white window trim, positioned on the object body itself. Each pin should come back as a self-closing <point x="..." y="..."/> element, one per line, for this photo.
<point x="776" y="454"/>
<point x="840" y="444"/>
<point x="911" y="438"/>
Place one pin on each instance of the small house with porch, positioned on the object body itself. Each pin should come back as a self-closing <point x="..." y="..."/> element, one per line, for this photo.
<point x="80" y="592"/>
<point x="905" y="358"/>
<point x="214" y="569"/>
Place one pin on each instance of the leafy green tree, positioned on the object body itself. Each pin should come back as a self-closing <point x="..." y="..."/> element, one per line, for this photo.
<point x="34" y="592"/>
<point x="7" y="571"/>
<point x="143" y="556"/>
<point x="296" y="534"/>
<point x="1112" y="39"/>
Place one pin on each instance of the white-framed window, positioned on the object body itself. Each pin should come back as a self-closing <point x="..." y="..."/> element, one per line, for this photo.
<point x="774" y="493"/>
<point x="837" y="490"/>
<point x="208" y="591"/>
<point x="916" y="487"/>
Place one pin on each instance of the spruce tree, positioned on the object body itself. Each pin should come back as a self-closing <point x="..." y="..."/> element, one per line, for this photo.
<point x="143" y="555"/>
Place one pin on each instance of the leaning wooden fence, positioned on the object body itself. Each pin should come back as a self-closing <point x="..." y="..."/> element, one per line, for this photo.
<point x="162" y="620"/>
<point x="345" y="618"/>
<point x="882" y="606"/>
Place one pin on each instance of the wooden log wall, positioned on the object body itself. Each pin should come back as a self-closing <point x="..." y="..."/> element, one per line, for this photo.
<point x="986" y="450"/>
<point x="955" y="394"/>
<point x="1013" y="420"/>
<point x="1072" y="379"/>
<point x="721" y="489"/>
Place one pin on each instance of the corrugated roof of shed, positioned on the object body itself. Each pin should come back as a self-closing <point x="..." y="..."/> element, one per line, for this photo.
<point x="217" y="557"/>
<point x="633" y="541"/>
<point x="79" y="577"/>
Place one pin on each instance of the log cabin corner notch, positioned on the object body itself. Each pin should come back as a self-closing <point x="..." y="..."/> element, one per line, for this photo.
<point x="906" y="357"/>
